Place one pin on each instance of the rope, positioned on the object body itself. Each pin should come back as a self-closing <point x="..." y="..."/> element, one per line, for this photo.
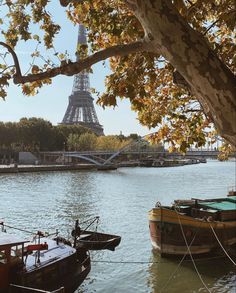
<point x="22" y="230"/>
<point x="194" y="264"/>
<point x="89" y="220"/>
<point x="174" y="272"/>
<point x="151" y="262"/>
<point x="123" y="262"/>
<point x="179" y="264"/>
<point x="222" y="245"/>
<point x="42" y="234"/>
<point x="87" y="258"/>
<point x="32" y="289"/>
<point x="96" y="219"/>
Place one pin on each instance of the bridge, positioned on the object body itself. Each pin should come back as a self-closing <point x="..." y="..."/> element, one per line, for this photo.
<point x="105" y="158"/>
<point x="137" y="150"/>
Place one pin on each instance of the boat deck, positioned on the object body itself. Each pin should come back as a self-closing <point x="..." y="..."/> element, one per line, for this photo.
<point x="54" y="253"/>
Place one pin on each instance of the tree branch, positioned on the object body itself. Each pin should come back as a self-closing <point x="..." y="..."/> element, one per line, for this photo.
<point x="6" y="68"/>
<point x="211" y="26"/>
<point x="193" y="111"/>
<point x="65" y="3"/>
<point x="215" y="22"/>
<point x="71" y="68"/>
<point x="14" y="56"/>
<point x="179" y="80"/>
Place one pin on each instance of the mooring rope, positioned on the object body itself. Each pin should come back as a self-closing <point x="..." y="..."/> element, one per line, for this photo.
<point x="123" y="262"/>
<point x="189" y="251"/>
<point x="179" y="264"/>
<point x="22" y="230"/>
<point x="151" y="262"/>
<point x="222" y="245"/>
<point x="42" y="234"/>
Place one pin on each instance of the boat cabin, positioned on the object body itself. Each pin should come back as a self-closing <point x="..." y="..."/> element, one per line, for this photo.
<point x="219" y="209"/>
<point x="11" y="258"/>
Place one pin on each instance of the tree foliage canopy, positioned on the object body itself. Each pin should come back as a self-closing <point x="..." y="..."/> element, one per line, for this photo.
<point x="90" y="142"/>
<point x="37" y="134"/>
<point x="174" y="60"/>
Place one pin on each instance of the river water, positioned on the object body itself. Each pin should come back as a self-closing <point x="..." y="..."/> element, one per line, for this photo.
<point x="122" y="198"/>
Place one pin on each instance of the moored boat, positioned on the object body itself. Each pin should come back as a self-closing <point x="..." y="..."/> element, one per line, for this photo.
<point x="92" y="240"/>
<point x="107" y="167"/>
<point x="43" y="264"/>
<point x="194" y="226"/>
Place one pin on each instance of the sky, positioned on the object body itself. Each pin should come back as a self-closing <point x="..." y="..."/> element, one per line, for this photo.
<point x="52" y="100"/>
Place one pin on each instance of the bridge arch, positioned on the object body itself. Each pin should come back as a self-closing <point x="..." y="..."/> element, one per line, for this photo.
<point x="84" y="158"/>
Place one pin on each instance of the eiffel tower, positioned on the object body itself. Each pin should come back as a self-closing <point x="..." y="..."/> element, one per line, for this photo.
<point x="80" y="110"/>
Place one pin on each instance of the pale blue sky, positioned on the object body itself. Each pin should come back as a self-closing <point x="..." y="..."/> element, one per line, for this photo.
<point x="52" y="100"/>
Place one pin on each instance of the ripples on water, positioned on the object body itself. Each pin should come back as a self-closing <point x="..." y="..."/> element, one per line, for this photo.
<point x="121" y="198"/>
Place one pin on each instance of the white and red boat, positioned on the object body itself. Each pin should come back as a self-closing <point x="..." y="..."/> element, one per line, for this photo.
<point x="44" y="264"/>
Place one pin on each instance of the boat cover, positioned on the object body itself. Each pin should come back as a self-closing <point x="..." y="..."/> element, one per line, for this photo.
<point x="222" y="205"/>
<point x="232" y="198"/>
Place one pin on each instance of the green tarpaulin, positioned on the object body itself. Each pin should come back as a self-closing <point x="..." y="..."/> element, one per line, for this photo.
<point x="224" y="205"/>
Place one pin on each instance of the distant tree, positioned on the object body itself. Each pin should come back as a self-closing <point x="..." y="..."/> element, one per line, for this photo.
<point x="73" y="142"/>
<point x="110" y="142"/>
<point x="62" y="133"/>
<point x="87" y="142"/>
<point x="9" y="135"/>
<point x="134" y="136"/>
<point x="35" y="133"/>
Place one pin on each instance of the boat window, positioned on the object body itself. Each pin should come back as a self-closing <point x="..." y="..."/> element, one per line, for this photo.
<point x="16" y="251"/>
<point x="16" y="255"/>
<point x="3" y="257"/>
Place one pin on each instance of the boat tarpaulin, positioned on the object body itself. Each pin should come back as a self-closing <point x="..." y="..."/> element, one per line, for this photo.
<point x="222" y="205"/>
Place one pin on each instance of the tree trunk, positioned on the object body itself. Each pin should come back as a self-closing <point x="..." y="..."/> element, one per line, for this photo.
<point x="210" y="80"/>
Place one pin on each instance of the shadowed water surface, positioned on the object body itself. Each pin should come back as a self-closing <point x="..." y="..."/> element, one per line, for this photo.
<point x="122" y="198"/>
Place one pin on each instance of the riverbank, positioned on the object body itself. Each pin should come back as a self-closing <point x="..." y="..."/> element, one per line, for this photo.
<point x="21" y="168"/>
<point x="40" y="168"/>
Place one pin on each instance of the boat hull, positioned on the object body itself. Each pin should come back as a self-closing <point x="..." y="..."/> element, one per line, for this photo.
<point x="69" y="274"/>
<point x="53" y="278"/>
<point x="170" y="231"/>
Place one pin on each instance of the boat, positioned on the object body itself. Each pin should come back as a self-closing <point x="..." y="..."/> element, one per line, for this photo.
<point x="92" y="240"/>
<point x="194" y="227"/>
<point x="106" y="167"/>
<point x="146" y="162"/>
<point x="42" y="264"/>
<point x="203" y="160"/>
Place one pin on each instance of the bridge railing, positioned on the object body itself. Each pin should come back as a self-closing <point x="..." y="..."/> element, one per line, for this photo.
<point x="141" y="151"/>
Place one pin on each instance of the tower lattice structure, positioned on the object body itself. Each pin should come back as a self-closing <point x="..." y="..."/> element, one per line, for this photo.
<point x="80" y="110"/>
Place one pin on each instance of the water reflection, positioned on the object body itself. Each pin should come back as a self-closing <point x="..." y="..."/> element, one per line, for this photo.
<point x="80" y="200"/>
<point x="168" y="275"/>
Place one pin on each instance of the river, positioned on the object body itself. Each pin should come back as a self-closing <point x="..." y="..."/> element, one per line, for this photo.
<point x="54" y="200"/>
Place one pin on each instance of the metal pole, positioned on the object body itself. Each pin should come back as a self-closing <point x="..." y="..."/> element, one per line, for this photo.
<point x="76" y="227"/>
